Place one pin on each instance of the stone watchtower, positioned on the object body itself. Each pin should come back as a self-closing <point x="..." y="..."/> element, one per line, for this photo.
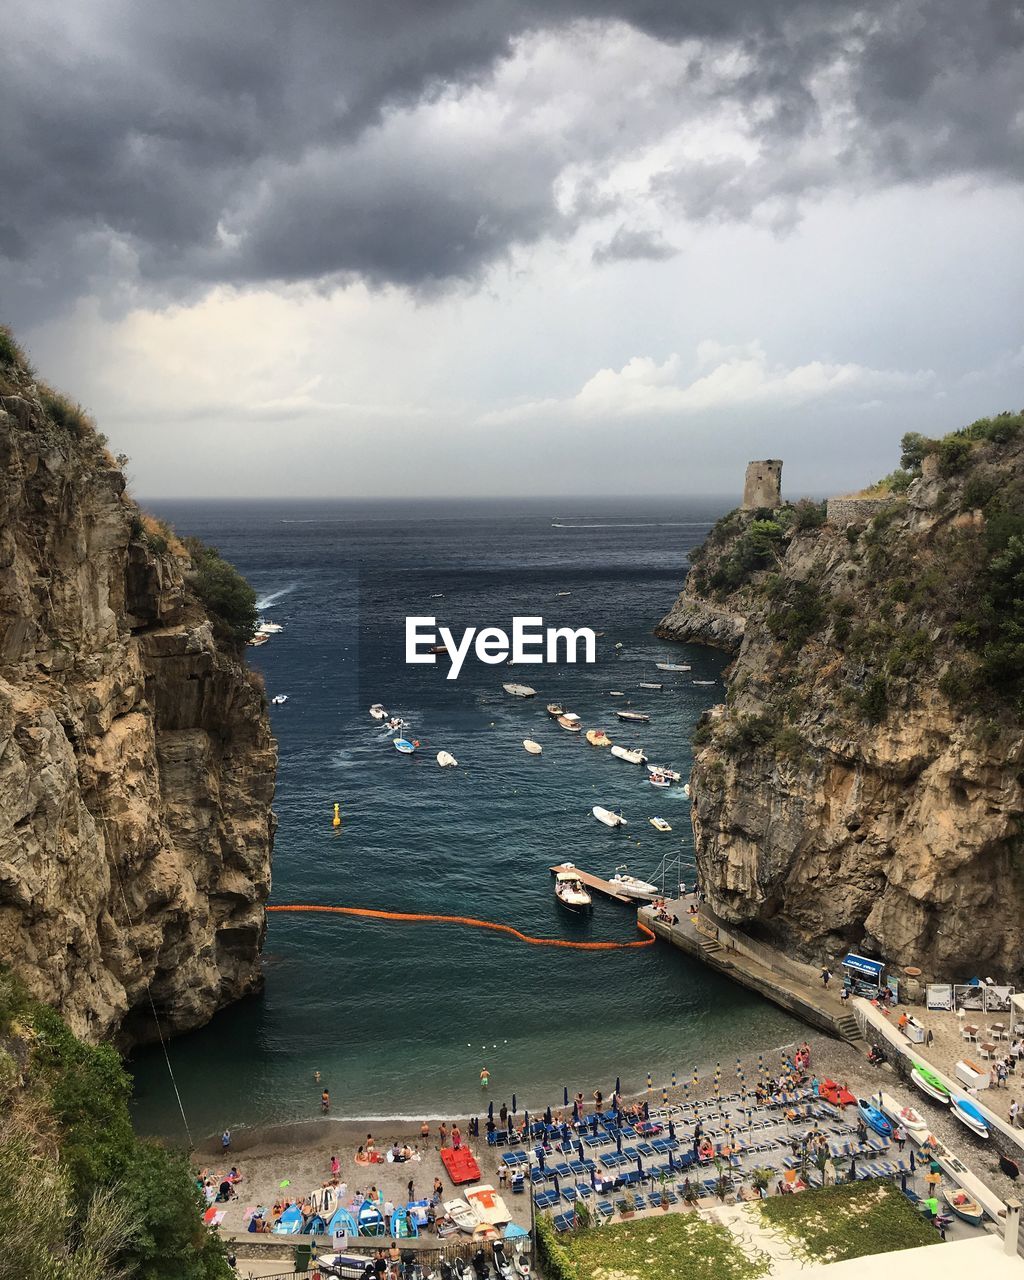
<point x="763" y="485"/>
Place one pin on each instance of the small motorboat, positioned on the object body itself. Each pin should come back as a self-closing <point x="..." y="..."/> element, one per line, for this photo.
<point x="629" y="755"/>
<point x="403" y="1224"/>
<point x="370" y="1220"/>
<point x="703" y="682"/>
<point x="488" y="1205"/>
<point x="686" y="790"/>
<point x="659" y="780"/>
<point x="905" y="1116"/>
<point x="439" y="648"/>
<point x="665" y="772"/>
<point x="570" y="721"/>
<point x="534" y="748"/>
<point x="659" y="824"/>
<point x="632" y="886"/>
<point x="290" y="1222"/>
<point x="344" y="1266"/>
<point x="342" y="1221"/>
<point x="634" y="717"/>
<point x="257" y="640"/>
<point x="643" y="684"/>
<point x="378" y="712"/>
<point x="404" y="746"/>
<point x="598" y="738"/>
<point x="968" y="1113"/>
<point x="836" y="1094"/>
<point x="672" y="666"/>
<point x="316" y="1225"/>
<point x="462" y="1215"/>
<point x="279" y="699"/>
<point x="520" y="690"/>
<point x="555" y="709"/>
<point x="608" y="817"/>
<point x="269" y="628"/>
<point x="928" y="1082"/>
<point x="570" y="892"/>
<point x="615" y="693"/>
<point x="447" y="761"/>
<point x="874" y="1118"/>
<point x="963" y="1206"/>
<point x="619" y="644"/>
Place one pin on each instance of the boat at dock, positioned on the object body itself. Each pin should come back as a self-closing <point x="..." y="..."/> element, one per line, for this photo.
<point x="968" y="1113"/>
<point x="632" y="886"/>
<point x="570" y="892"/>
<point x="534" y="748"/>
<point x="928" y="1082"/>
<point x="630" y="755"/>
<point x="608" y="817"/>
<point x="520" y="690"/>
<point x="672" y="666"/>
<point x="570" y="721"/>
<point x="598" y="738"/>
<point x="634" y="717"/>
<point x="963" y="1206"/>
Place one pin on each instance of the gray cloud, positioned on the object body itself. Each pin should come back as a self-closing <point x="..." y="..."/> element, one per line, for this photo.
<point x="633" y="244"/>
<point x="246" y="141"/>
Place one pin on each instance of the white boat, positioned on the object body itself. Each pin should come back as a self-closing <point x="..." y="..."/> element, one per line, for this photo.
<point x="609" y="818"/>
<point x="446" y="760"/>
<point x="615" y="693"/>
<point x="634" y="717"/>
<point x="911" y="1120"/>
<point x="570" y="721"/>
<point x="686" y="790"/>
<point x="968" y="1113"/>
<point x="645" y="684"/>
<point x="665" y="772"/>
<point x="404" y="746"/>
<point x="672" y="666"/>
<point x="629" y="755"/>
<point x="534" y="748"/>
<point x="562" y="593"/>
<point x="257" y="640"/>
<point x="619" y="644"/>
<point x="520" y="690"/>
<point x="632" y="886"/>
<point x="659" y="780"/>
<point x="570" y="892"/>
<point x="279" y="699"/>
<point x="269" y="628"/>
<point x="396" y="722"/>
<point x="555" y="709"/>
<point x="462" y="1215"/>
<point x="659" y="824"/>
<point x="703" y="682"/>
<point x="928" y="1082"/>
<point x="598" y="738"/>
<point x="485" y="1202"/>
<point x="963" y="1206"/>
<point x="378" y="712"/>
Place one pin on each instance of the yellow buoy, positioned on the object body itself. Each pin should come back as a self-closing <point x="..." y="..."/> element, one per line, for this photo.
<point x="337" y="815"/>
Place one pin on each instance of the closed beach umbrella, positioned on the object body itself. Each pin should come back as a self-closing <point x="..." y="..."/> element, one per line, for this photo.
<point x="565" y="1095"/>
<point x="514" y="1107"/>
<point x="593" y="1178"/>
<point x="540" y="1158"/>
<point x="671" y="1130"/>
<point x="640" y="1166"/>
<point x="664" y="1095"/>
<point x="647" y="1111"/>
<point x="554" y="1181"/>
<point x="648" y="1082"/>
<point x="526" y="1125"/>
<point x="673" y="1079"/>
<point x="593" y="1124"/>
<point x="490" y="1110"/>
<point x="579" y="1149"/>
<point x="671" y="1163"/>
<point x="618" y="1143"/>
<point x="547" y="1116"/>
<point x="618" y="1086"/>
<point x="913" y="1166"/>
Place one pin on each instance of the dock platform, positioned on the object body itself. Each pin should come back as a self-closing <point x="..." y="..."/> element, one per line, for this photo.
<point x="595" y="882"/>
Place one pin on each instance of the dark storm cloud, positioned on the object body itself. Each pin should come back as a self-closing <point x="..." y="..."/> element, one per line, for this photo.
<point x="632" y="244"/>
<point x="189" y="143"/>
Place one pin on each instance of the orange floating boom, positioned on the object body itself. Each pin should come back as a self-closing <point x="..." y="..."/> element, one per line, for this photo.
<point x="414" y="917"/>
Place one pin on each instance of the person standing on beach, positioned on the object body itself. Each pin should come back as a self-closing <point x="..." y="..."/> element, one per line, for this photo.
<point x="412" y="1194"/>
<point x="425" y="1131"/>
<point x="438" y="1190"/>
<point x="225" y="1141"/>
<point x="442" y="1132"/>
<point x="503" y="1115"/>
<point x="1014" y="1113"/>
<point x="901" y="1136"/>
<point x="598" y="1100"/>
<point x="335" y="1166"/>
<point x="456" y="1136"/>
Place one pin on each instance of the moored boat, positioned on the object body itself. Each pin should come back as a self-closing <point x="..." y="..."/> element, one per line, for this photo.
<point x="659" y="824"/>
<point x="570" y="721"/>
<point x="279" y="699"/>
<point x="534" y="748"/>
<point x="703" y="682"/>
<point x="928" y="1082"/>
<point x="446" y="760"/>
<point x="632" y="886"/>
<point x="634" y="717"/>
<point x="608" y="817"/>
<point x="659" y="780"/>
<point x="963" y="1206"/>
<point x="378" y="712"/>
<point x="598" y="738"/>
<point x="628" y="754"/>
<point x="555" y="709"/>
<point x="665" y="772"/>
<point x="404" y="746"/>
<point x="570" y="892"/>
<point x="520" y="690"/>
<point x="672" y="666"/>
<point x="968" y="1113"/>
<point x="643" y="684"/>
<point x="615" y="693"/>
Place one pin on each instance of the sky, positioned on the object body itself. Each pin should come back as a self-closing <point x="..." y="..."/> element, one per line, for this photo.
<point x="501" y="247"/>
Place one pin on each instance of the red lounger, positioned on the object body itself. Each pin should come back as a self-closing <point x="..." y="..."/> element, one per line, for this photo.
<point x="460" y="1165"/>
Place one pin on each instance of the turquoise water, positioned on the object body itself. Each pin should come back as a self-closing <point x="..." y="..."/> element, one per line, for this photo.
<point x="400" y="1018"/>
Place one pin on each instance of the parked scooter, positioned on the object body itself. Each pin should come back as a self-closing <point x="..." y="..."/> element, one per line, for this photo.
<point x="480" y="1268"/>
<point x="521" y="1263"/>
<point x="502" y="1262"/>
<point x="462" y="1271"/>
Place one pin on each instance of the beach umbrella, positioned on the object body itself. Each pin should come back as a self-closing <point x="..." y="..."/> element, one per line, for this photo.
<point x="618" y="1086"/>
<point x="640" y="1166"/>
<point x="648" y="1082"/>
<point x="673" y="1079"/>
<point x="490" y="1110"/>
<point x="554" y="1182"/>
<point x="664" y="1095"/>
<point x="564" y="1131"/>
<point x="565" y="1095"/>
<point x="514" y="1107"/>
<point x="671" y="1130"/>
<point x="547" y="1116"/>
<point x="540" y="1158"/>
<point x="913" y="1165"/>
<point x="671" y="1163"/>
<point x="593" y="1124"/>
<point x="526" y="1125"/>
<point x="618" y="1143"/>
<point x="593" y="1178"/>
<point x="579" y="1149"/>
<point x="647" y="1111"/>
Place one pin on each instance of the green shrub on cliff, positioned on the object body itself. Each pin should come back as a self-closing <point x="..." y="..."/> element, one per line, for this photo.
<point x="228" y="598"/>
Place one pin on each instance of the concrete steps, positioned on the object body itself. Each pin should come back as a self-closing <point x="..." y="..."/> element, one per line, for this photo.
<point x="849" y="1028"/>
<point x="710" y="947"/>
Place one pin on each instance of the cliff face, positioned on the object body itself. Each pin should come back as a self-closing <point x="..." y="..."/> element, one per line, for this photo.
<point x="863" y="785"/>
<point x="136" y="761"/>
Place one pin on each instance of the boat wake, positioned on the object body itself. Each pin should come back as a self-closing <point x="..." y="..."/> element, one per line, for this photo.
<point x="268" y="601"/>
<point x="646" y="524"/>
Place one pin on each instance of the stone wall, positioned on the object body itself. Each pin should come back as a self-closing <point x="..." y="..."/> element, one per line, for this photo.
<point x="843" y="511"/>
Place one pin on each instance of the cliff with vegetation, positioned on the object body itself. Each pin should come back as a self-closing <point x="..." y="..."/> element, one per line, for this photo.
<point x="863" y="784"/>
<point x="136" y="761"/>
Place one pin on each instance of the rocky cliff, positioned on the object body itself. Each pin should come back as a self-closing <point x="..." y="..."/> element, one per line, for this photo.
<point x="136" y="761"/>
<point x="863" y="784"/>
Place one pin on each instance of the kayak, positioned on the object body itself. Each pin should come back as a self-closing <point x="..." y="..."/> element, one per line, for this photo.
<point x="874" y="1118"/>
<point x="928" y="1082"/>
<point x="969" y="1114"/>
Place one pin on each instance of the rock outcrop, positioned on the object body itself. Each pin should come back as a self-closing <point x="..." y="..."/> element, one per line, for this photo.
<point x="137" y="765"/>
<point x="863" y="785"/>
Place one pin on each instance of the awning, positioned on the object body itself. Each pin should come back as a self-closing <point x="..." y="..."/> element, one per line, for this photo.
<point x="862" y="965"/>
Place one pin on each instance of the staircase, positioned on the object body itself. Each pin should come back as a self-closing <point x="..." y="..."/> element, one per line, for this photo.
<point x="710" y="946"/>
<point x="849" y="1028"/>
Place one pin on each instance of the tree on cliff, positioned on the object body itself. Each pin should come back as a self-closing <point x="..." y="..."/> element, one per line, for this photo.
<point x="229" y="599"/>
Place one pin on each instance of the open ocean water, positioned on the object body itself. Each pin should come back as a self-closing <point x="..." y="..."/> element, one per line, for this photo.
<point x="400" y="1018"/>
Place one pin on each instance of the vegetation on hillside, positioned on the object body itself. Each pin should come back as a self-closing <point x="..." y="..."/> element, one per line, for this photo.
<point x="80" y="1195"/>
<point x="852" y="1220"/>
<point x="229" y="600"/>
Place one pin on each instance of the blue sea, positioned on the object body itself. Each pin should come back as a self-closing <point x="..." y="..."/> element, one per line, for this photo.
<point x="400" y="1018"/>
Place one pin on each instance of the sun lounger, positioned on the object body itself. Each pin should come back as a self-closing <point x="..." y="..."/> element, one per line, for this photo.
<point x="584" y="1190"/>
<point x="564" y="1222"/>
<point x="604" y="1208"/>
